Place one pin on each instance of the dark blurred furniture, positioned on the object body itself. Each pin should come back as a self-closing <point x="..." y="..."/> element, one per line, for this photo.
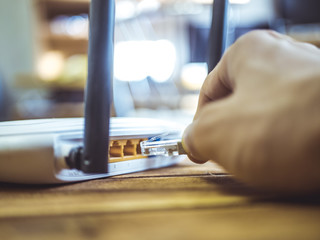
<point x="289" y="12"/>
<point x="4" y="101"/>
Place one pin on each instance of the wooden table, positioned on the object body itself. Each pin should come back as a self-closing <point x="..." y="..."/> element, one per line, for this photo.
<point x="187" y="201"/>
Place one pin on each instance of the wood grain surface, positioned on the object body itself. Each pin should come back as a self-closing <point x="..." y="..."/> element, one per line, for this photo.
<point x="187" y="201"/>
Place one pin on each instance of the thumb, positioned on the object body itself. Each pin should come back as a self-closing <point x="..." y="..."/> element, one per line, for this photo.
<point x="207" y="136"/>
<point x="193" y="155"/>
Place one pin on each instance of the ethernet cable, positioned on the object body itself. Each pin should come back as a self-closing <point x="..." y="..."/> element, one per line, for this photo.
<point x="162" y="145"/>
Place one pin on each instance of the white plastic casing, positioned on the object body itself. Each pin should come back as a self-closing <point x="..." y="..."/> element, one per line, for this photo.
<point x="34" y="151"/>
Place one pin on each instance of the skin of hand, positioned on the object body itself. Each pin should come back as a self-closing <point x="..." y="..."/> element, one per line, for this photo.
<point x="258" y="114"/>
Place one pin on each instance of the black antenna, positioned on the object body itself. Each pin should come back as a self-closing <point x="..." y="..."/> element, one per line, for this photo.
<point x="93" y="158"/>
<point x="218" y="32"/>
<point x="99" y="86"/>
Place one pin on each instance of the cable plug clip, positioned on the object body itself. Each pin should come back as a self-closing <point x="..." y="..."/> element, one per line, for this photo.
<point x="161" y="145"/>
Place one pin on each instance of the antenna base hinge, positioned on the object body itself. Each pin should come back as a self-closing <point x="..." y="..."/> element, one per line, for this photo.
<point x="75" y="158"/>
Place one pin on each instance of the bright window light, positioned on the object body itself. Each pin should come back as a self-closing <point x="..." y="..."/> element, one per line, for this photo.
<point x="50" y="65"/>
<point x="230" y="1"/>
<point x="137" y="60"/>
<point x="148" y="5"/>
<point x="239" y="1"/>
<point x="193" y="75"/>
<point x="125" y="9"/>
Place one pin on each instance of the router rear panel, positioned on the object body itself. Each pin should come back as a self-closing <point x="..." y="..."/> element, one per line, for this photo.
<point x="35" y="151"/>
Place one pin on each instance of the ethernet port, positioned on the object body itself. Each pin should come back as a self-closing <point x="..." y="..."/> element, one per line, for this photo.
<point x="116" y="149"/>
<point x="138" y="148"/>
<point x="130" y="148"/>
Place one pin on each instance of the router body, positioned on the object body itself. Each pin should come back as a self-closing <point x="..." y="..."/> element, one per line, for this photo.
<point x="35" y="151"/>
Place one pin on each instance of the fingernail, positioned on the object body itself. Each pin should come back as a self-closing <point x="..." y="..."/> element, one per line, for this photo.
<point x="185" y="141"/>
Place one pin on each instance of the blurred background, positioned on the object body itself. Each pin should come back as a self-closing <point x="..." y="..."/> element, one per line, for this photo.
<point x="160" y="52"/>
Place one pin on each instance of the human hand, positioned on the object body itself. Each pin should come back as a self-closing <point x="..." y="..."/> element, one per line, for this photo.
<point x="258" y="114"/>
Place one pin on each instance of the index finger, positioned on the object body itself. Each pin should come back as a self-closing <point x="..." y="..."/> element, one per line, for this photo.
<point x="216" y="86"/>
